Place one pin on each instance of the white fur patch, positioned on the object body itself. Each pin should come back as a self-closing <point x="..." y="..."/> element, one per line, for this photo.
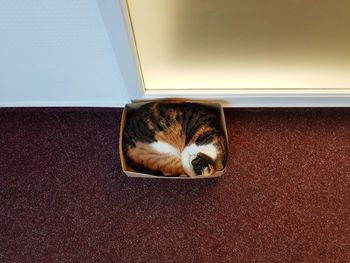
<point x="190" y="152"/>
<point x="187" y="155"/>
<point x="164" y="148"/>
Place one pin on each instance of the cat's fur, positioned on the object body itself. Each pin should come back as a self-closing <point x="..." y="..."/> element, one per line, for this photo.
<point x="175" y="138"/>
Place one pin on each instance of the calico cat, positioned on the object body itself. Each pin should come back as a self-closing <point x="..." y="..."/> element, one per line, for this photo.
<point x="175" y="139"/>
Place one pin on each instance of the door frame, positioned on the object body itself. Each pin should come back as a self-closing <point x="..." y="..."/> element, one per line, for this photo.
<point x="116" y="19"/>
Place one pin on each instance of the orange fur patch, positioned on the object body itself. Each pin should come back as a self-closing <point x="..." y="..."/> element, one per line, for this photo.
<point x="173" y="136"/>
<point x="148" y="157"/>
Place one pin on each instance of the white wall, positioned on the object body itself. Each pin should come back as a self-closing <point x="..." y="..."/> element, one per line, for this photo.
<point x="57" y="53"/>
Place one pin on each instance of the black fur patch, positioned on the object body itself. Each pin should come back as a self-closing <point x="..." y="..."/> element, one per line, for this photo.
<point x="201" y="162"/>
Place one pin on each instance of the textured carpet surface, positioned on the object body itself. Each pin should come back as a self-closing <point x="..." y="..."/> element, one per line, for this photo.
<point x="285" y="196"/>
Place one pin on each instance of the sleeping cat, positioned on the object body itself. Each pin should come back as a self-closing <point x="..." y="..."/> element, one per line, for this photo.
<point x="175" y="139"/>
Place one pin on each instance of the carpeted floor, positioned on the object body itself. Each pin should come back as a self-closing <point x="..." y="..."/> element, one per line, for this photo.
<point x="285" y="196"/>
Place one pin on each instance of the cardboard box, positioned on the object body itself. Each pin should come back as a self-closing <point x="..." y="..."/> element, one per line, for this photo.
<point x="132" y="173"/>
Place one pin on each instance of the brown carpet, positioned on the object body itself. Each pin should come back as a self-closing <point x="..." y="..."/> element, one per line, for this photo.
<point x="284" y="198"/>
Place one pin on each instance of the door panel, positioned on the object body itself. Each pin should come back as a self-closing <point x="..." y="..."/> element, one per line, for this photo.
<point x="242" y="45"/>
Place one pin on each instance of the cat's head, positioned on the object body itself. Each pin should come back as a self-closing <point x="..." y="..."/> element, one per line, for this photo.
<point x="203" y="160"/>
<point x="203" y="164"/>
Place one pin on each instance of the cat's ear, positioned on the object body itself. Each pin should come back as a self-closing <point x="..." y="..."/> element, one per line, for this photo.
<point x="205" y="157"/>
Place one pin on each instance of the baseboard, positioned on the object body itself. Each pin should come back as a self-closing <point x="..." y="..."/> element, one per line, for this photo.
<point x="249" y="99"/>
<point x="105" y="104"/>
<point x="231" y="102"/>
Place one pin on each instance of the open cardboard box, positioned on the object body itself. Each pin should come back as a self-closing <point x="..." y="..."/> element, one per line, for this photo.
<point x="128" y="107"/>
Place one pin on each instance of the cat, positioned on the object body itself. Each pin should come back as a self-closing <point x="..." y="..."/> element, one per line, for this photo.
<point x="172" y="138"/>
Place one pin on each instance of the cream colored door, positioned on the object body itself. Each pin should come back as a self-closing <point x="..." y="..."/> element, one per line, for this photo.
<point x="230" y="45"/>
